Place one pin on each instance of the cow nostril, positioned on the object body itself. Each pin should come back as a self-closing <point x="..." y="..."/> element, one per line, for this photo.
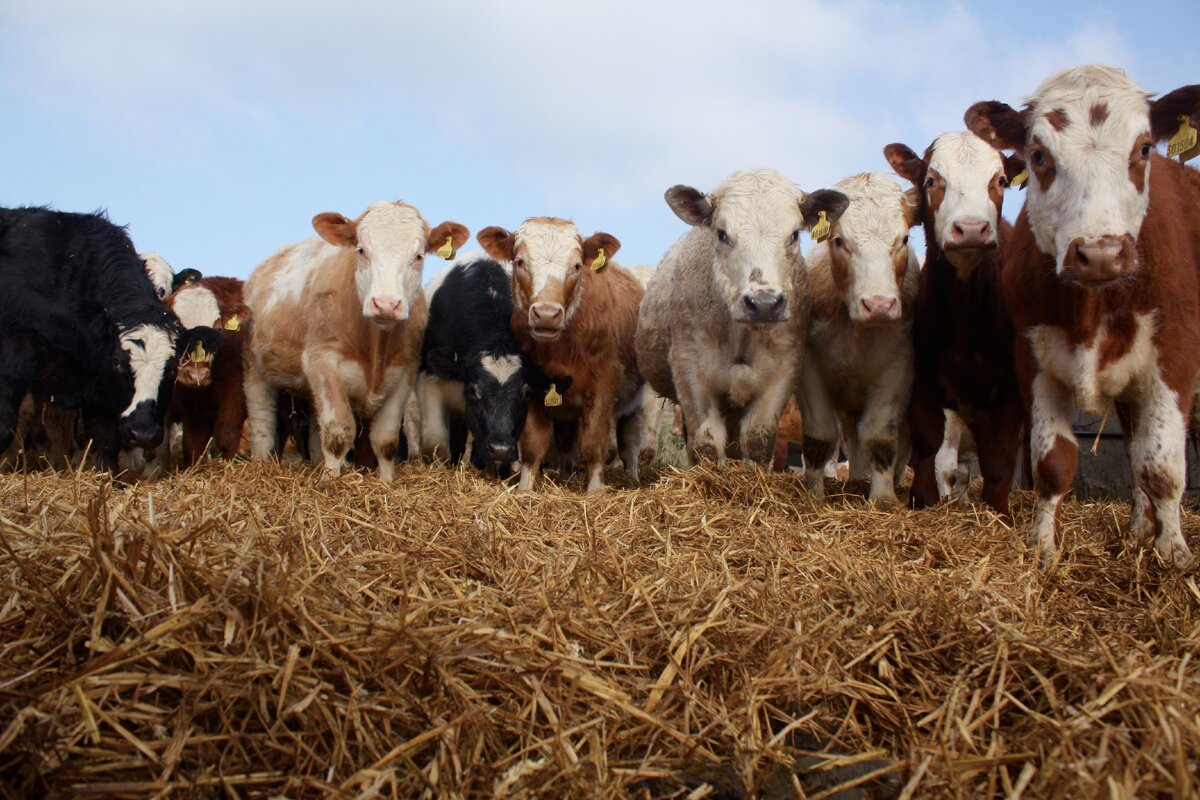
<point x="750" y="304"/>
<point x="1081" y="258"/>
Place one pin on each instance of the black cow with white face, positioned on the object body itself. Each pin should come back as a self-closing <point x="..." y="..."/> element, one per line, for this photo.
<point x="80" y="324"/>
<point x="474" y="377"/>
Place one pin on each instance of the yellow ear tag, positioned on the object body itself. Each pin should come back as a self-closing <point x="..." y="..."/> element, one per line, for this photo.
<point x="233" y="323"/>
<point x="200" y="355"/>
<point x="600" y="263"/>
<point x="1183" y="143"/>
<point x="1020" y="178"/>
<point x="820" y="231"/>
<point x="446" y="251"/>
<point x="553" y="398"/>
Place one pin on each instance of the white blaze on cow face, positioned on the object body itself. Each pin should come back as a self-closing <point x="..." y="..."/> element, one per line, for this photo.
<point x="159" y="272"/>
<point x="196" y="306"/>
<point x="502" y="368"/>
<point x="964" y="185"/>
<point x="149" y="349"/>
<point x="1088" y="144"/>
<point x="869" y="250"/>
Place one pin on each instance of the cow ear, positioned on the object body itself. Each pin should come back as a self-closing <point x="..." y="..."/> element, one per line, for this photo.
<point x="443" y="363"/>
<point x="1166" y="111"/>
<point x="1014" y="165"/>
<point x="210" y="338"/>
<point x="827" y="200"/>
<point x="911" y="202"/>
<point x="336" y="229"/>
<point x="690" y="205"/>
<point x="498" y="243"/>
<point x="448" y="233"/>
<point x="905" y="162"/>
<point x="595" y="243"/>
<point x="998" y="124"/>
<point x="184" y="277"/>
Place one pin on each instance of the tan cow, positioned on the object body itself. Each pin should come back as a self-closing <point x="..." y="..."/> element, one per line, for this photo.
<point x="575" y="314"/>
<point x="859" y="369"/>
<point x="339" y="318"/>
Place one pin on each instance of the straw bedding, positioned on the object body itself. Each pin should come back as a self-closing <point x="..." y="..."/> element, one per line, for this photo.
<point x="247" y="630"/>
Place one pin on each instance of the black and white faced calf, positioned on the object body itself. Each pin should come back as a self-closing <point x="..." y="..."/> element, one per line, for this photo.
<point x="474" y="377"/>
<point x="81" y="324"/>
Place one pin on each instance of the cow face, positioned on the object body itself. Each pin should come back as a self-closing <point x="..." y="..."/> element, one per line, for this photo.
<point x="754" y="219"/>
<point x="1088" y="137"/>
<point x="496" y="390"/>
<point x="962" y="181"/>
<point x="551" y="263"/>
<point x="196" y="307"/>
<point x="868" y="247"/>
<point x="390" y="241"/>
<point x="145" y="362"/>
<point x="159" y="272"/>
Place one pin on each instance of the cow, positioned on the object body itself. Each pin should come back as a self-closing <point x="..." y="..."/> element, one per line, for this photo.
<point x="165" y="279"/>
<point x="475" y="378"/>
<point x="859" y="369"/>
<point x="81" y="324"/>
<point x="1103" y="286"/>
<point x="722" y="329"/>
<point x="575" y="314"/>
<point x="963" y="333"/>
<point x="209" y="400"/>
<point x="339" y="319"/>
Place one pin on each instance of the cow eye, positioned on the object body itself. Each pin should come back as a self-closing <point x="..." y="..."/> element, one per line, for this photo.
<point x="359" y="250"/>
<point x="1146" y="150"/>
<point x="578" y="267"/>
<point x="519" y="263"/>
<point x="722" y="236"/>
<point x="1003" y="181"/>
<point x="930" y="182"/>
<point x="795" y="236"/>
<point x="839" y="241"/>
<point x="1038" y="158"/>
<point x="905" y="240"/>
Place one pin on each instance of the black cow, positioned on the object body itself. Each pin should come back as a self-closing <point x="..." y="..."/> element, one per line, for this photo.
<point x="81" y="324"/>
<point x="474" y="377"/>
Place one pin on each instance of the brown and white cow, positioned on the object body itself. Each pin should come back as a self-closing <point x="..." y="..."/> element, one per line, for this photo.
<point x="209" y="401"/>
<point x="575" y="314"/>
<point x="963" y="334"/>
<point x="723" y="324"/>
<point x="339" y="318"/>
<point x="1102" y="281"/>
<point x="859" y="368"/>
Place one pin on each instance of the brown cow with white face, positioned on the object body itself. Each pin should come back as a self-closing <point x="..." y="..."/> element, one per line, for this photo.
<point x="1102" y="281"/>
<point x="575" y="314"/>
<point x="339" y="318"/>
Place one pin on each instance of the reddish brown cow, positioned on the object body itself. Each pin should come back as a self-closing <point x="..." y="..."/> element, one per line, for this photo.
<point x="575" y="313"/>
<point x="209" y="401"/>
<point x="1102" y="281"/>
<point x="963" y="334"/>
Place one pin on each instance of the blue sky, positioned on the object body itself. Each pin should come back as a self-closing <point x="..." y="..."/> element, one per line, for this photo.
<point x="217" y="130"/>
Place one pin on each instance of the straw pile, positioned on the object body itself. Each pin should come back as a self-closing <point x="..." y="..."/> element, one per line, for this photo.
<point x="244" y="630"/>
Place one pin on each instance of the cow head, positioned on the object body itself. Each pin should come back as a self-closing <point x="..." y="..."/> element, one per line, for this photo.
<point x="196" y="307"/>
<point x="390" y="241"/>
<point x="551" y="264"/>
<point x="754" y="219"/>
<point x="868" y="247"/>
<point x="159" y="272"/>
<point x="143" y="369"/>
<point x="1088" y="137"/>
<point x="961" y="181"/>
<point x="496" y="389"/>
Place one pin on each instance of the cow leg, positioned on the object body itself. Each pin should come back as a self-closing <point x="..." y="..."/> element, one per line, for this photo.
<point x="260" y="410"/>
<point x="1158" y="461"/>
<point x="196" y="435"/>
<point x="334" y="415"/>
<point x="997" y="443"/>
<point x="535" y="443"/>
<point x="820" y="428"/>
<point x="435" y="432"/>
<point x="760" y="421"/>
<point x="595" y="434"/>
<point x="878" y="440"/>
<point x="231" y="416"/>
<point x="385" y="428"/>
<point x="458" y="438"/>
<point x="102" y="433"/>
<point x="946" y="461"/>
<point x="1054" y="455"/>
<point x="630" y="431"/>
<point x="16" y="377"/>
<point x="929" y="424"/>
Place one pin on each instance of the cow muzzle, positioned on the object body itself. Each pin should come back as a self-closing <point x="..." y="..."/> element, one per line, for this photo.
<point x="1099" y="261"/>
<point x="194" y="374"/>
<point x="386" y="310"/>
<point x="141" y="428"/>
<point x="761" y="305"/>
<point x="546" y="321"/>
<point x="877" y="309"/>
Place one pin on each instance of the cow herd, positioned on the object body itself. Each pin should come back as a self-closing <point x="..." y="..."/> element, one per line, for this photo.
<point x="543" y="348"/>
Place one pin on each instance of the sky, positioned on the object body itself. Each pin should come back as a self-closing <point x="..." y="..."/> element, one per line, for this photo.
<point x="216" y="130"/>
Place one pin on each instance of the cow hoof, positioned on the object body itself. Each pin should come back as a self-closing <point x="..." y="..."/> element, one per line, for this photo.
<point x="885" y="502"/>
<point x="706" y="451"/>
<point x="760" y="445"/>
<point x="1175" y="553"/>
